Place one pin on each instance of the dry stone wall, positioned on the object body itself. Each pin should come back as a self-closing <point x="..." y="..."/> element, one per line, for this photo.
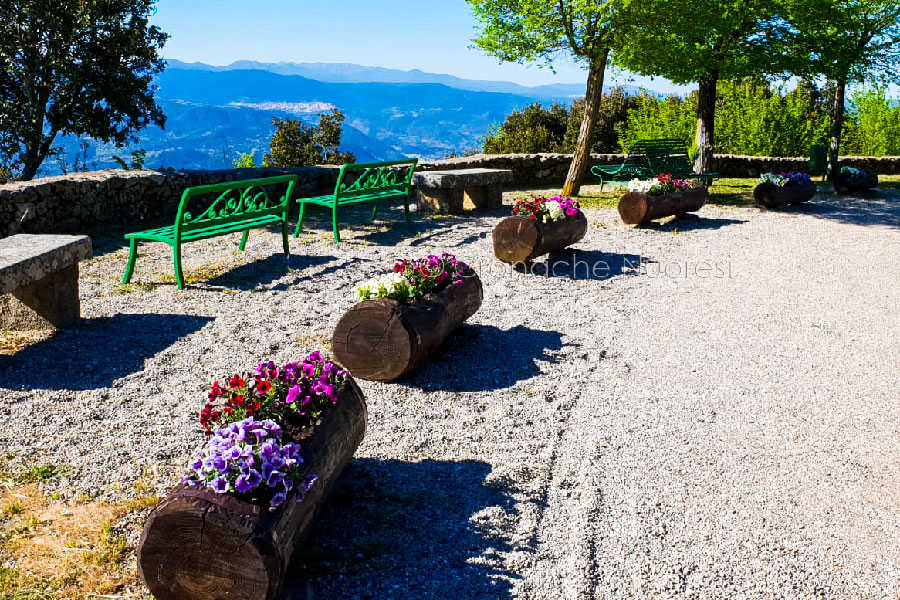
<point x="128" y="200"/>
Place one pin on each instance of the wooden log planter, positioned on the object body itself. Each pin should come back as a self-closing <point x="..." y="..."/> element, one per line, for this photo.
<point x="845" y="183"/>
<point x="381" y="339"/>
<point x="199" y="545"/>
<point x="636" y="208"/>
<point x="520" y="239"/>
<point x="773" y="196"/>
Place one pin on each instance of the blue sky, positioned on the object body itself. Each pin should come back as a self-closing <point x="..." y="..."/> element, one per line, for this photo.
<point x="430" y="35"/>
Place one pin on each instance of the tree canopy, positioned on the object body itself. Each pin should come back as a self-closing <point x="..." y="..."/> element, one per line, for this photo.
<point x="540" y="30"/>
<point x="81" y="68"/>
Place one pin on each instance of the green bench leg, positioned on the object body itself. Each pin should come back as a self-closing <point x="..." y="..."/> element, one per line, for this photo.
<point x="374" y="213"/>
<point x="178" y="275"/>
<point x="300" y="219"/>
<point x="244" y="240"/>
<point x="132" y="257"/>
<point x="334" y="224"/>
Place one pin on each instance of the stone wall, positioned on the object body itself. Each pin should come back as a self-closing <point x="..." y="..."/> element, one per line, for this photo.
<point x="127" y="200"/>
<point x="120" y="200"/>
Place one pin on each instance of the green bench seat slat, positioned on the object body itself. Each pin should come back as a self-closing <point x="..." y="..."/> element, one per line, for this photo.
<point x="239" y="207"/>
<point x="374" y="182"/>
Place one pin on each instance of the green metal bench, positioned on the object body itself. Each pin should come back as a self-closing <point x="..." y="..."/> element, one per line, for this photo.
<point x="649" y="158"/>
<point x="239" y="206"/>
<point x="364" y="182"/>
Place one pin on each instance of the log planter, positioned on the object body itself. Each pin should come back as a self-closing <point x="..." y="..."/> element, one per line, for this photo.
<point x="845" y="184"/>
<point x="773" y="196"/>
<point x="199" y="545"/>
<point x="382" y="339"/>
<point x="519" y="239"/>
<point x="636" y="208"/>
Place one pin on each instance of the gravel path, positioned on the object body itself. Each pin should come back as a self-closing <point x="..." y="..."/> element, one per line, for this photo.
<point x="710" y="413"/>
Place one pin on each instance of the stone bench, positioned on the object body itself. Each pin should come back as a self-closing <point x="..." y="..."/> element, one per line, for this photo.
<point x="451" y="192"/>
<point x="39" y="280"/>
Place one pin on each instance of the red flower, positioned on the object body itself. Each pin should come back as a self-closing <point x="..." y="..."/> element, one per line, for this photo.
<point x="236" y="382"/>
<point x="263" y="387"/>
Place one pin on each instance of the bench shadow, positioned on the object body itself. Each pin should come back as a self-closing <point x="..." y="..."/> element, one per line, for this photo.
<point x="265" y="271"/>
<point x="581" y="265"/>
<point x="499" y="358"/>
<point x="407" y="530"/>
<point x="93" y="353"/>
<point x="880" y="209"/>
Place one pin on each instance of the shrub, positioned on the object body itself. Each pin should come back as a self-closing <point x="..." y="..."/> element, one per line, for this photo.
<point x="296" y="144"/>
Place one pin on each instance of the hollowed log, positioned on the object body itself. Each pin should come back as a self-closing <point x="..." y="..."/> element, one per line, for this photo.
<point x="519" y="240"/>
<point x="636" y="208"/>
<point x="382" y="339"/>
<point x="199" y="545"/>
<point x="773" y="196"/>
<point x="845" y="184"/>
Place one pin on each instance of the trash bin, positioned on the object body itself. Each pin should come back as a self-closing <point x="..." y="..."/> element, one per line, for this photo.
<point x="818" y="160"/>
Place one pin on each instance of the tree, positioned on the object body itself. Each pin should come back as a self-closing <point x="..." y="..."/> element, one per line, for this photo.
<point x="539" y="30"/>
<point x="702" y="41"/>
<point x="847" y="41"/>
<point x="295" y="144"/>
<point x="530" y="130"/>
<point x="81" y="68"/>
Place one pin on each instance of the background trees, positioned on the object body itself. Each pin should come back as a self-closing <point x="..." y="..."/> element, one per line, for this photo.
<point x="847" y="41"/>
<point x="296" y="144"/>
<point x="538" y="30"/>
<point x="75" y="68"/>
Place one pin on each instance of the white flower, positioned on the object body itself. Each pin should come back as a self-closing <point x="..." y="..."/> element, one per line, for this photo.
<point x="555" y="210"/>
<point x="382" y="287"/>
<point x="637" y="185"/>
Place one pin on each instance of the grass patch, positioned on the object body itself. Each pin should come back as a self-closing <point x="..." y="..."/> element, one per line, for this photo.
<point x="122" y="289"/>
<point x="14" y="341"/>
<point x="198" y="275"/>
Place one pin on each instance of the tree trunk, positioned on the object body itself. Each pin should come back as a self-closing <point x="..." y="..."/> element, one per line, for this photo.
<point x="837" y="126"/>
<point x="381" y="339"/>
<point x="582" y="156"/>
<point x="706" y="122"/>
<point x="519" y="240"/>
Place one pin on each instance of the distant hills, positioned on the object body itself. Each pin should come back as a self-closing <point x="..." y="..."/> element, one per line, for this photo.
<point x="215" y="113"/>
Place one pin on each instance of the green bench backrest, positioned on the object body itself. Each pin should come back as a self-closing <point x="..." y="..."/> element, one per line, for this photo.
<point x="366" y="179"/>
<point x="666" y="155"/>
<point x="235" y="201"/>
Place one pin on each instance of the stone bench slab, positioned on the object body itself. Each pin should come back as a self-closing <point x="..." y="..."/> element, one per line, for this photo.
<point x="26" y="258"/>
<point x="39" y="280"/>
<point x="451" y="192"/>
<point x="461" y="178"/>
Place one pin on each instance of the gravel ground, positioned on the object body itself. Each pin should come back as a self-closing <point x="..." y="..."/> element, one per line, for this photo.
<point x="710" y="413"/>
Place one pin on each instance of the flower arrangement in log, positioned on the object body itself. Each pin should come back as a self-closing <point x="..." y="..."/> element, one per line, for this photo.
<point x="253" y="424"/>
<point x="785" y="179"/>
<point x="662" y="184"/>
<point x="854" y="175"/>
<point x="250" y="460"/>
<point x="411" y="280"/>
<point x="546" y="210"/>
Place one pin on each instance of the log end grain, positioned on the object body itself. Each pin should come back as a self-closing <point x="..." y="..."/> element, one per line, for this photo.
<point x="633" y="208"/>
<point x="515" y="239"/>
<point x="374" y="340"/>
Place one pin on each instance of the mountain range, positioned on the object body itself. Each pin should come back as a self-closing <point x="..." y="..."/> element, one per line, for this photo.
<point x="215" y="113"/>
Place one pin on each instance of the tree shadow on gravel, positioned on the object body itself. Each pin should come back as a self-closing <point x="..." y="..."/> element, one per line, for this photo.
<point x="874" y="209"/>
<point x="408" y="530"/>
<point x="691" y="222"/>
<point x="583" y="265"/>
<point x="497" y="359"/>
<point x="93" y="353"/>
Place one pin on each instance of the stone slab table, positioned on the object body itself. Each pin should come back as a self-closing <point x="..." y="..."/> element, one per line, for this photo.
<point x="451" y="192"/>
<point x="39" y="280"/>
